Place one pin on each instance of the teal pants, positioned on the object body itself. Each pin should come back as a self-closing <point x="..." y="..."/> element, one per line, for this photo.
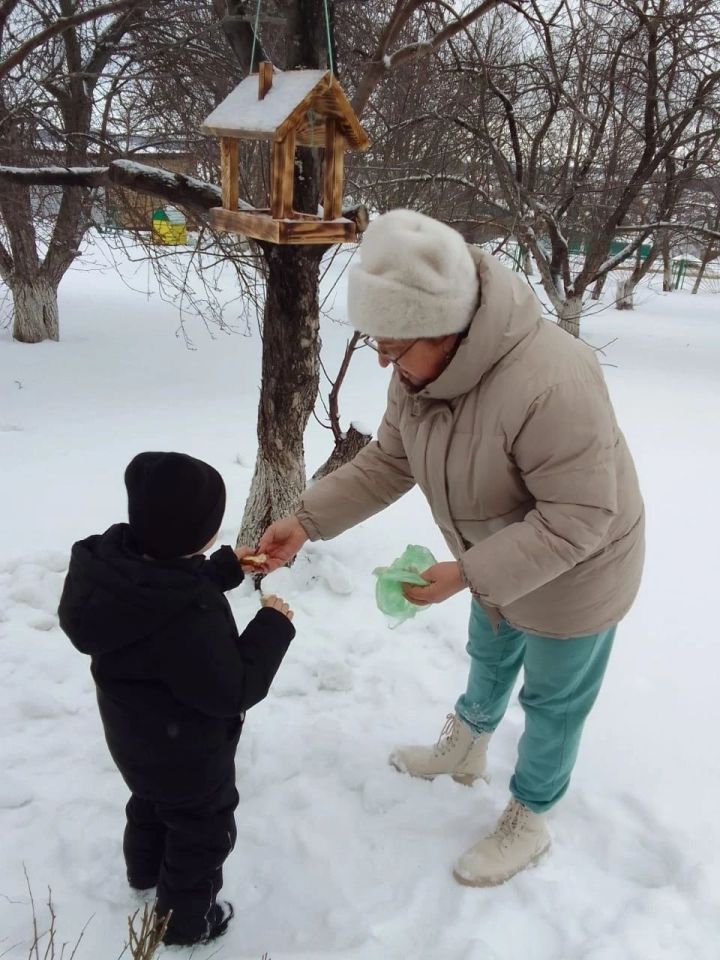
<point x="562" y="679"/>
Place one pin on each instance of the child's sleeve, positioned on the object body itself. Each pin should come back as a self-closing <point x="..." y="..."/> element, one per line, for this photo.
<point x="223" y="568"/>
<point x="222" y="676"/>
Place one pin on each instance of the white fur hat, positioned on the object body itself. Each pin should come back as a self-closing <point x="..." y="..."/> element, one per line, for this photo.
<point x="415" y="279"/>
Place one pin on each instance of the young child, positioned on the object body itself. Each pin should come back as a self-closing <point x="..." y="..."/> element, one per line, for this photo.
<point x="174" y="679"/>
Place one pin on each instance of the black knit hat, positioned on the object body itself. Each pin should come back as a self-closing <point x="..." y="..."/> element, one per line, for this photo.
<point x="175" y="503"/>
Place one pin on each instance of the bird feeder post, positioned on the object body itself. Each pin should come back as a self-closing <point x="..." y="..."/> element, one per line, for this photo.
<point x="265" y="78"/>
<point x="282" y="177"/>
<point x="229" y="173"/>
<point x="333" y="175"/>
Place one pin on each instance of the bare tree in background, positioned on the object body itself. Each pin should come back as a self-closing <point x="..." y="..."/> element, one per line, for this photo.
<point x="54" y="56"/>
<point x="594" y="100"/>
<point x="672" y="196"/>
<point x="708" y="213"/>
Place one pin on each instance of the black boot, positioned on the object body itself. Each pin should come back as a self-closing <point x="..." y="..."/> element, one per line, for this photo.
<point x="219" y="918"/>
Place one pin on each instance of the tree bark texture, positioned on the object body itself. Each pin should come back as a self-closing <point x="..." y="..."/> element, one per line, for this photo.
<point x="569" y="313"/>
<point x="667" y="264"/>
<point x="625" y="296"/>
<point x="597" y="290"/>
<point x="35" y="309"/>
<point x="346" y="449"/>
<point x="290" y="380"/>
<point x="625" y="299"/>
<point x="710" y="253"/>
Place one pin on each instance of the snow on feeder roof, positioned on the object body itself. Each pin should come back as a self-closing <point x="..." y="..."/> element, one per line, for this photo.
<point x="293" y="108"/>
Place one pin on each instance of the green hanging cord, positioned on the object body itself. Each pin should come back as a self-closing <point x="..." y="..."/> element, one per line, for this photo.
<point x="255" y="35"/>
<point x="329" y="42"/>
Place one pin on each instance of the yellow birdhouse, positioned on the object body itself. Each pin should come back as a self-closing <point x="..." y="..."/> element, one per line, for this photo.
<point x="168" y="226"/>
<point x="289" y="109"/>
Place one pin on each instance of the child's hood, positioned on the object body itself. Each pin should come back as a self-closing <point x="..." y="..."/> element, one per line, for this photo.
<point x="113" y="597"/>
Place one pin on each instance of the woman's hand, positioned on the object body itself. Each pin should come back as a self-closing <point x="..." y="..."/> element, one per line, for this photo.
<point x="444" y="581"/>
<point x="280" y="542"/>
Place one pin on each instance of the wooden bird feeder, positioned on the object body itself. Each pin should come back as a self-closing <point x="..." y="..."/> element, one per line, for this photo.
<point x="289" y="109"/>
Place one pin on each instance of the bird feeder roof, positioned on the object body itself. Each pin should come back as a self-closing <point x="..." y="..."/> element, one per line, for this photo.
<point x="293" y="95"/>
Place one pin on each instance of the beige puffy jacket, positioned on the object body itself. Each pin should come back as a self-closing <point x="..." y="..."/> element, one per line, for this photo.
<point x="518" y="452"/>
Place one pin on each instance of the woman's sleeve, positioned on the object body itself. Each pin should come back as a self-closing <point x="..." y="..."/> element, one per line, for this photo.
<point x="378" y="476"/>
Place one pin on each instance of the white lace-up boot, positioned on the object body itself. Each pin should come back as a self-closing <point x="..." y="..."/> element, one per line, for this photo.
<point x="459" y="752"/>
<point x="519" y="839"/>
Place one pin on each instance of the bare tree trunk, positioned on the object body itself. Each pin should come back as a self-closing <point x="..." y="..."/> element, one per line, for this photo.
<point x="43" y="240"/>
<point x="35" y="309"/>
<point x="290" y="380"/>
<point x="527" y="262"/>
<point x="625" y="299"/>
<point x="597" y="290"/>
<point x="626" y="293"/>
<point x="667" y="264"/>
<point x="710" y="254"/>
<point x="345" y="449"/>
<point x="569" y="313"/>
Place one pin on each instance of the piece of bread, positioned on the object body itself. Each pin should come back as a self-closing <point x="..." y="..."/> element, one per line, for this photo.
<point x="259" y="561"/>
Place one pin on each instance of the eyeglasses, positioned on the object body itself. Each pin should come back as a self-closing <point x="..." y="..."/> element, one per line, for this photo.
<point x="373" y="344"/>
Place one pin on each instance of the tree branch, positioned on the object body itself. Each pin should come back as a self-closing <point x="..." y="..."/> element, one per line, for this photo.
<point x="7" y="264"/>
<point x="196" y="195"/>
<point x="6" y="9"/>
<point x="55" y="176"/>
<point x="58" y="26"/>
<point x="667" y="225"/>
<point x="239" y="32"/>
<point x="381" y="63"/>
<point x="422" y="48"/>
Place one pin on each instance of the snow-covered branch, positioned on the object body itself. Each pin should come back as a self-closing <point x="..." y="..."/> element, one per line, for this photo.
<point x="428" y="178"/>
<point x="190" y="192"/>
<point x="55" y="176"/>
<point x="180" y="188"/>
<point x="196" y="195"/>
<point x="627" y="251"/>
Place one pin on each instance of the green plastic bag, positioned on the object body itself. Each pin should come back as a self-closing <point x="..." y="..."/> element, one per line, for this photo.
<point x="406" y="569"/>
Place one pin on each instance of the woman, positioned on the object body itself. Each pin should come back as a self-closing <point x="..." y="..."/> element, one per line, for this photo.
<point x="505" y="423"/>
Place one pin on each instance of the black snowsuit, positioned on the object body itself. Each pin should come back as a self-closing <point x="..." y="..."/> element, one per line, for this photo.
<point x="174" y="680"/>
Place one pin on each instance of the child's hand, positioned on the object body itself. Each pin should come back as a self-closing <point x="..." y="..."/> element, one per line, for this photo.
<point x="276" y="603"/>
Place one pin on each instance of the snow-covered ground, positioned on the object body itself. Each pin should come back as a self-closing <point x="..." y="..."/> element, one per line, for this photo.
<point x="337" y="854"/>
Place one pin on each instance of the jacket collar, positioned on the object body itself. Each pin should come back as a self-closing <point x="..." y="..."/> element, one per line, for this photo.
<point x="509" y="311"/>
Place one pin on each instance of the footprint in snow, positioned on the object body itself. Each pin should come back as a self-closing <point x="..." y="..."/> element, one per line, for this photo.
<point x="44" y="624"/>
<point x="337" y="577"/>
<point x="335" y="676"/>
<point x="42" y="708"/>
<point x="33" y="596"/>
<point x="638" y="846"/>
<point x="53" y="561"/>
